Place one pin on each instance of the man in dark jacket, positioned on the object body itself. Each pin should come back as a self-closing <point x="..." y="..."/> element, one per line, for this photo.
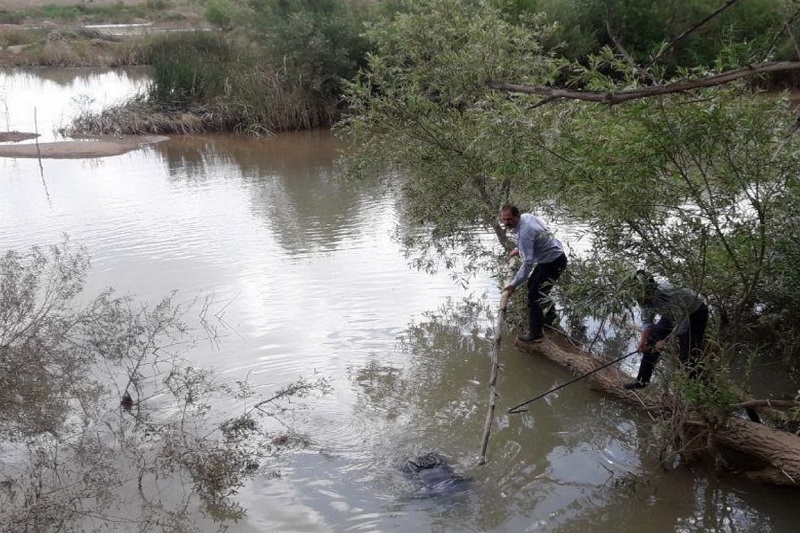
<point x="679" y="310"/>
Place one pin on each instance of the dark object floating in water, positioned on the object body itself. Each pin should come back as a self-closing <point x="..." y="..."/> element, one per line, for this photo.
<point x="435" y="475"/>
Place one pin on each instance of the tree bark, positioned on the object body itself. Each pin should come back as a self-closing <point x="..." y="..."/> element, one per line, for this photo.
<point x="756" y="451"/>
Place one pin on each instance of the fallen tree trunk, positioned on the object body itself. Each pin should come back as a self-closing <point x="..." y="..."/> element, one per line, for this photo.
<point x="762" y="453"/>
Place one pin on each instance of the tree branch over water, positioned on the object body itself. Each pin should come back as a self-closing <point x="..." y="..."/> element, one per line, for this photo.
<point x="618" y="97"/>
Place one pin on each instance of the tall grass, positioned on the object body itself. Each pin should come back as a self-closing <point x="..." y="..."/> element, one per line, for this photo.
<point x="189" y="67"/>
<point x="259" y="103"/>
<point x="16" y="37"/>
<point x="203" y="82"/>
<point x="271" y="100"/>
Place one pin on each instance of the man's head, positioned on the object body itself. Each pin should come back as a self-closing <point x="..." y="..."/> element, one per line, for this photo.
<point x="509" y="214"/>
<point x="644" y="287"/>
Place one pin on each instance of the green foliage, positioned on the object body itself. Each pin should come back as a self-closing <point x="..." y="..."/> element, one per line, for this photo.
<point x="696" y="186"/>
<point x="697" y="189"/>
<point x="713" y="400"/>
<point x="189" y="67"/>
<point x="319" y="42"/>
<point x="223" y="81"/>
<point x="641" y="27"/>
<point x="423" y="105"/>
<point x="220" y="13"/>
<point x="11" y="17"/>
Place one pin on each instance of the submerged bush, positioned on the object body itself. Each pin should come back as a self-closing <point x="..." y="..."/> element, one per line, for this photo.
<point x="96" y="401"/>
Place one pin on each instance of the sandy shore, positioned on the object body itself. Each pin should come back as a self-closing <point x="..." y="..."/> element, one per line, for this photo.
<point x="101" y="147"/>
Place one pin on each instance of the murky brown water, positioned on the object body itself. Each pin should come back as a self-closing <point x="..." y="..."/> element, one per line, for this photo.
<point x="305" y="280"/>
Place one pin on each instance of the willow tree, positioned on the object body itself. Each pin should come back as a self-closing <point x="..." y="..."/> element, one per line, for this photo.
<point x="698" y="186"/>
<point x="422" y="106"/>
<point x="689" y="174"/>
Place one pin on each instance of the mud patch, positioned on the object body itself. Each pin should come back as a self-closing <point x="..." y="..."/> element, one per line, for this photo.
<point x="15" y="136"/>
<point x="101" y="147"/>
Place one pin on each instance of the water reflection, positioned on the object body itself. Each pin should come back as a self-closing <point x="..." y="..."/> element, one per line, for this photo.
<point x="433" y="399"/>
<point x="290" y="177"/>
<point x="45" y="99"/>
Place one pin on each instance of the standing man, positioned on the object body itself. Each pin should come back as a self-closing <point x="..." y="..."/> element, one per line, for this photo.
<point x="678" y="309"/>
<point x="543" y="261"/>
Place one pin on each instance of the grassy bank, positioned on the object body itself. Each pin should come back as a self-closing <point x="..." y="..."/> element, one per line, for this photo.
<point x="67" y="47"/>
<point x="59" y="32"/>
<point x="34" y="12"/>
<point x="202" y="82"/>
<point x="261" y="80"/>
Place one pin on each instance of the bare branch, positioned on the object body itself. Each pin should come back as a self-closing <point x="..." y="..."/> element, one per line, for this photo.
<point x="613" y="98"/>
<point x="543" y="101"/>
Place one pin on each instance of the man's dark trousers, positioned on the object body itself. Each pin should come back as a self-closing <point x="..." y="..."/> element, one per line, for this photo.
<point x="540" y="309"/>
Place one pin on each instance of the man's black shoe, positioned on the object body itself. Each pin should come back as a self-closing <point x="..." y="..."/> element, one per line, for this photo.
<point x="527" y="337"/>
<point x="633" y="385"/>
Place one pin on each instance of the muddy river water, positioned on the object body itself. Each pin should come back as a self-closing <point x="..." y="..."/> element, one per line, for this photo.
<point x="305" y="279"/>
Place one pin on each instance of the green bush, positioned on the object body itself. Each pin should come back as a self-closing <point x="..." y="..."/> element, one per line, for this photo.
<point x="640" y="27"/>
<point x="11" y="17"/>
<point x="319" y="42"/>
<point x="219" y="13"/>
<point x="189" y="67"/>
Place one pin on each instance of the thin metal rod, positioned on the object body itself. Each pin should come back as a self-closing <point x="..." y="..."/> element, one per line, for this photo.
<point x="498" y="329"/>
<point x="516" y="409"/>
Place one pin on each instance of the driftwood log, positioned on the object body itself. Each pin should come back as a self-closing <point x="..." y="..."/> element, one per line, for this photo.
<point x="763" y="453"/>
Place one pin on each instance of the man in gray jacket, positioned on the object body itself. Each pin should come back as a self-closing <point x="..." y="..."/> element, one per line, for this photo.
<point x="543" y="261"/>
<point x="678" y="309"/>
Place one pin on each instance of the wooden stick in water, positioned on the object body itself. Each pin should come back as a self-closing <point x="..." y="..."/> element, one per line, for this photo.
<point x="498" y="329"/>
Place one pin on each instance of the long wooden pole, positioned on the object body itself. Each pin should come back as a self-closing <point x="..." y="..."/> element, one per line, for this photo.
<point x="498" y="331"/>
<point x="518" y="408"/>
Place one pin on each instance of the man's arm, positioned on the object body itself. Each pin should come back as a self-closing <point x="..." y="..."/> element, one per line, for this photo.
<point x="648" y="315"/>
<point x="522" y="274"/>
<point x="525" y="249"/>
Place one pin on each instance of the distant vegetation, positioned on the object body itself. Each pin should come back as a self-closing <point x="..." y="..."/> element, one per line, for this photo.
<point x="642" y="27"/>
<point x="285" y="63"/>
<point x="91" y="13"/>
